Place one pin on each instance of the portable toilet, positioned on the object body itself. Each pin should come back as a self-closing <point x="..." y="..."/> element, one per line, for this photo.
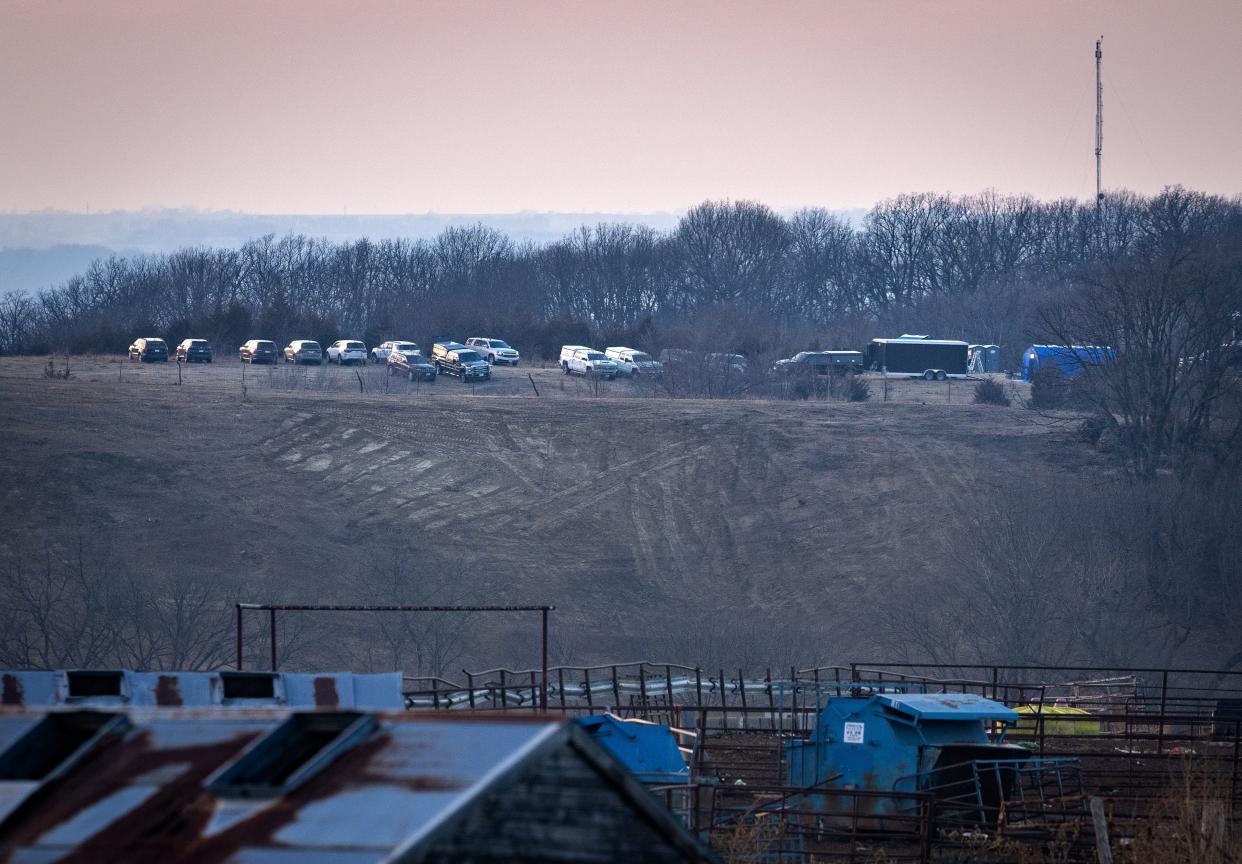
<point x="991" y="358"/>
<point x="940" y="743"/>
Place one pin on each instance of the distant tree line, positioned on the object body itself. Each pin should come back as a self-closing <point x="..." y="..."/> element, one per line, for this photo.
<point x="976" y="267"/>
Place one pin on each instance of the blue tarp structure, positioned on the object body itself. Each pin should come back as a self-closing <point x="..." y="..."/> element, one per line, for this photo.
<point x="648" y="750"/>
<point x="1070" y="359"/>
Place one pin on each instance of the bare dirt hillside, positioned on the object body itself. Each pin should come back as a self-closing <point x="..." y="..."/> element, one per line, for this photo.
<point x="677" y="528"/>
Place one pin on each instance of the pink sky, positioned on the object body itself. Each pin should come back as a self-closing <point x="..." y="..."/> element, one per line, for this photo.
<point x="394" y="107"/>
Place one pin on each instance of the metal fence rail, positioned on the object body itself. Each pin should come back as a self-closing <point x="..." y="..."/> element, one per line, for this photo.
<point x="1130" y="735"/>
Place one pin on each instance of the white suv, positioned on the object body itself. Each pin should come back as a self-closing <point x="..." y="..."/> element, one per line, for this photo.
<point x="631" y="362"/>
<point x="344" y="351"/>
<point x="498" y="352"/>
<point x="379" y="354"/>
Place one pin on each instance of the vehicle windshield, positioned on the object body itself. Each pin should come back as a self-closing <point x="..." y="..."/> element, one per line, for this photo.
<point x="309" y="346"/>
<point x="405" y="346"/>
<point x="499" y="343"/>
<point x="155" y="343"/>
<point x="355" y="346"/>
<point x="595" y="355"/>
<point x="196" y="343"/>
<point x="265" y="345"/>
<point x="640" y="357"/>
<point x="468" y="356"/>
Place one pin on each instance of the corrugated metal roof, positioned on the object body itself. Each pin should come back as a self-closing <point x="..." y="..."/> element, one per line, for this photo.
<point x="946" y="706"/>
<point x="337" y="690"/>
<point x="145" y="797"/>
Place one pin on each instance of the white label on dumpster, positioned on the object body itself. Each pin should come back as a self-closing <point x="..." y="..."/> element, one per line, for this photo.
<point x="854" y="733"/>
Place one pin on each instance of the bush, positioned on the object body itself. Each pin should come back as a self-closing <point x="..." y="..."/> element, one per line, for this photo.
<point x="1049" y="388"/>
<point x="989" y="391"/>
<point x="858" y="390"/>
<point x="1091" y="429"/>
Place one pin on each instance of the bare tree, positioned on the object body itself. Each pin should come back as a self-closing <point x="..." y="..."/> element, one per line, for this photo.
<point x="1167" y="304"/>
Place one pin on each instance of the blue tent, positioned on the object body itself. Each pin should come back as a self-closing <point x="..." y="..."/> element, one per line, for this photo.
<point x="1070" y="359"/>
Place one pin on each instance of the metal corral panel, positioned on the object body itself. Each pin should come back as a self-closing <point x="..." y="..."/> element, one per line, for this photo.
<point x="946" y="706"/>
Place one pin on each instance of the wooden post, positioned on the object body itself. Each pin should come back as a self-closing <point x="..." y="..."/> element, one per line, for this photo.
<point x="1103" y="851"/>
<point x="239" y="641"/>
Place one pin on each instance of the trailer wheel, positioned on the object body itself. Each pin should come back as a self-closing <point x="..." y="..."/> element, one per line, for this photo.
<point x="929" y="375"/>
<point x="941" y="375"/>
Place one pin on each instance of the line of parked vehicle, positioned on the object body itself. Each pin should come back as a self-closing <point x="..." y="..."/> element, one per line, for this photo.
<point x="471" y="361"/>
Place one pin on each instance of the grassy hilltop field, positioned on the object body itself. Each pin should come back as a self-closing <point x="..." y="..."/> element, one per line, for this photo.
<point x="660" y="528"/>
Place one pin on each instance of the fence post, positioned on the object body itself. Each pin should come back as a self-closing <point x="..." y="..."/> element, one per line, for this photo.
<point x="1103" y="851"/>
<point x="1164" y="696"/>
<point x="741" y="686"/>
<point x="1233" y="783"/>
<point x="642" y="687"/>
<point x="470" y="688"/>
<point x="239" y="637"/>
<point x="543" y="693"/>
<point x="272" y="613"/>
<point x="668" y="681"/>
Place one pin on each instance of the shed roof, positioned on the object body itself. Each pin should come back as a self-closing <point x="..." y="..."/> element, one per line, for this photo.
<point x="946" y="706"/>
<point x="396" y="795"/>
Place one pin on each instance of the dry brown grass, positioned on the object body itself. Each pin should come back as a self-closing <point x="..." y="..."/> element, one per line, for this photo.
<point x="1190" y="822"/>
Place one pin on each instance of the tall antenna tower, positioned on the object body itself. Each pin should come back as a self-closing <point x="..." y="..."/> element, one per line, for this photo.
<point x="1099" y="123"/>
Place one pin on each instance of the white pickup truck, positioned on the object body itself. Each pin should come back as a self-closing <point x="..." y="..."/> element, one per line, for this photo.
<point x="581" y="360"/>
<point x="631" y="362"/>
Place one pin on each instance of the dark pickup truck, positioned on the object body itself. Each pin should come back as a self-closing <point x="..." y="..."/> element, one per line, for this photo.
<point x="453" y="358"/>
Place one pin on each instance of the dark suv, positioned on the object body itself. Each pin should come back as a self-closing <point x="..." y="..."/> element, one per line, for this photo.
<point x="149" y="351"/>
<point x="194" y="351"/>
<point x="258" y="351"/>
<point x="404" y="359"/>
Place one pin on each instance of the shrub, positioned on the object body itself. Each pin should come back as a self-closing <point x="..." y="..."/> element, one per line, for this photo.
<point x="859" y="389"/>
<point x="989" y="391"/>
<point x="1091" y="429"/>
<point x="1049" y="388"/>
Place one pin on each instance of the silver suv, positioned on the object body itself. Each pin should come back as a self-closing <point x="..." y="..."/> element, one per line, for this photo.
<point x="498" y="352"/>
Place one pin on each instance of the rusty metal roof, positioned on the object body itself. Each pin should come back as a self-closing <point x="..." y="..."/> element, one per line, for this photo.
<point x="123" y="687"/>
<point x="146" y="795"/>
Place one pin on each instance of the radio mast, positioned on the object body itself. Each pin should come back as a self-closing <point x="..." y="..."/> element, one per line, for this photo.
<point x="1099" y="123"/>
